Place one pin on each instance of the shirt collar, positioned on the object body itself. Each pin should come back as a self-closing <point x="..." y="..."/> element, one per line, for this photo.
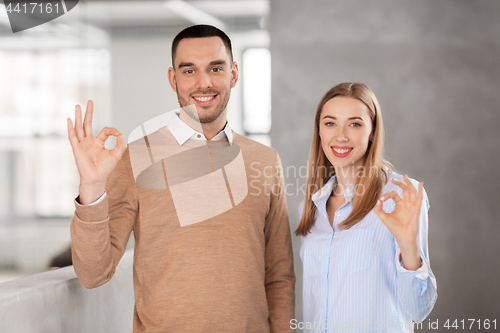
<point x="324" y="193"/>
<point x="183" y="132"/>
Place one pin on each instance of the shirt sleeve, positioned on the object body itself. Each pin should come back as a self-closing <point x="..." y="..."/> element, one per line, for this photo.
<point x="279" y="274"/>
<point x="100" y="231"/>
<point x="417" y="290"/>
<point x="101" y="198"/>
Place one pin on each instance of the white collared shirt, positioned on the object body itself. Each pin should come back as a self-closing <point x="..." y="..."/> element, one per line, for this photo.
<point x="183" y="132"/>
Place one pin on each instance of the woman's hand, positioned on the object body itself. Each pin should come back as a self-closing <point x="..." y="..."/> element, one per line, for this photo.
<point x="403" y="221"/>
<point x="94" y="162"/>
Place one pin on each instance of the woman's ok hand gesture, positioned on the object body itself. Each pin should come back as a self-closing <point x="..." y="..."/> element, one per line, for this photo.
<point x="403" y="221"/>
<point x="94" y="162"/>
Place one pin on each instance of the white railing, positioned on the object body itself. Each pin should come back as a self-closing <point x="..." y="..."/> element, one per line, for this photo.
<point x="56" y="302"/>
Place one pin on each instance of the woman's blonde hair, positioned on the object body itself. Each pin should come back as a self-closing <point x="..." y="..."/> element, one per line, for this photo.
<point x="370" y="178"/>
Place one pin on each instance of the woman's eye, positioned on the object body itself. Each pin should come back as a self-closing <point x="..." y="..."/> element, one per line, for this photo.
<point x="355" y="124"/>
<point x="330" y="124"/>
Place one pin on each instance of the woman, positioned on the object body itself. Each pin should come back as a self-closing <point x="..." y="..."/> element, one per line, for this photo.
<point x="366" y="262"/>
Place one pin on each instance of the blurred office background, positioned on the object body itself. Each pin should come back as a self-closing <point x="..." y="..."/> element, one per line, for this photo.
<point x="434" y="65"/>
<point x="116" y="53"/>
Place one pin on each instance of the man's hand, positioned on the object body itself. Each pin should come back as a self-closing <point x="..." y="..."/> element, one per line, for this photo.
<point x="94" y="162"/>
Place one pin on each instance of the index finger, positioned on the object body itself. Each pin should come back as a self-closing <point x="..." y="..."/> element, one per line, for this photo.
<point x="87" y="122"/>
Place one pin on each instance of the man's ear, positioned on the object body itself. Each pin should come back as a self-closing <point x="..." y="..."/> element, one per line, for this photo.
<point x="234" y="74"/>
<point x="171" y="79"/>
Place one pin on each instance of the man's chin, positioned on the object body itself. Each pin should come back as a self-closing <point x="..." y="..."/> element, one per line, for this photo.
<point x="205" y="113"/>
<point x="209" y="118"/>
<point x="202" y="114"/>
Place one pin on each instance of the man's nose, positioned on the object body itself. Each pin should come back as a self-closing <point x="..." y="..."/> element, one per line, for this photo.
<point x="203" y="81"/>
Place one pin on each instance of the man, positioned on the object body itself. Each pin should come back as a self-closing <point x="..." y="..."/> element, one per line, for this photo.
<point x="229" y="272"/>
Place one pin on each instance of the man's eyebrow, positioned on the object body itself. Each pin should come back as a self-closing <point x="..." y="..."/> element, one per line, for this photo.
<point x="212" y="63"/>
<point x="185" y="64"/>
<point x="217" y="62"/>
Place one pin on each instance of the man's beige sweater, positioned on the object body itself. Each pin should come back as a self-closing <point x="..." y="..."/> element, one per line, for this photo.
<point x="229" y="273"/>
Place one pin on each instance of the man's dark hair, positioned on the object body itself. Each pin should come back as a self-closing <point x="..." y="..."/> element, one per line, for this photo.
<point x="201" y="31"/>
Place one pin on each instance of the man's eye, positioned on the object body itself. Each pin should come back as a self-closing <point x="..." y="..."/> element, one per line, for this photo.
<point x="189" y="71"/>
<point x="216" y="69"/>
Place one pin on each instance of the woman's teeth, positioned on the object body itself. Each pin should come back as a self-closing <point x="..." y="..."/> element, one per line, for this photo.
<point x="342" y="151"/>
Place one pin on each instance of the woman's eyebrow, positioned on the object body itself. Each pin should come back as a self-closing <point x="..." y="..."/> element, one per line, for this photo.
<point x="351" y="118"/>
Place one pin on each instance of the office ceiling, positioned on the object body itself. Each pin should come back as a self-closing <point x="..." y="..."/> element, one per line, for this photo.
<point x="128" y="13"/>
<point x="129" y="17"/>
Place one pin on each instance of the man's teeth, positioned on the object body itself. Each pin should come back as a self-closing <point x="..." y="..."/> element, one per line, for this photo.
<point x="204" y="98"/>
<point x="342" y="151"/>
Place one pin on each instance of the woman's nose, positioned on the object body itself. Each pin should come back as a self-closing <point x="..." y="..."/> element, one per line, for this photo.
<point x="341" y="136"/>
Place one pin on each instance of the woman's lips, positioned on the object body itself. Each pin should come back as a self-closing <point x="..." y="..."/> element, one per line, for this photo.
<point x="341" y="152"/>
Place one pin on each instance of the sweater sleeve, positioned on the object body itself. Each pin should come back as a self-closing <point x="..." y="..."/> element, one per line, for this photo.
<point x="417" y="290"/>
<point x="100" y="232"/>
<point x="279" y="275"/>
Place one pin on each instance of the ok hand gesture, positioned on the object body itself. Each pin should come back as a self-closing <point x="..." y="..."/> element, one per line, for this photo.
<point x="94" y="162"/>
<point x="403" y="221"/>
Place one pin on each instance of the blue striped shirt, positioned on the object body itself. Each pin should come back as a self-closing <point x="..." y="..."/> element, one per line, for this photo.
<point x="354" y="280"/>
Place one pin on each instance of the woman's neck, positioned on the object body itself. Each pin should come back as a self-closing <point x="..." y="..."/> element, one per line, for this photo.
<point x="346" y="176"/>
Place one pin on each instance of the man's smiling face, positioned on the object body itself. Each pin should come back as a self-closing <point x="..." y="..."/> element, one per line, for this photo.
<point x="203" y="75"/>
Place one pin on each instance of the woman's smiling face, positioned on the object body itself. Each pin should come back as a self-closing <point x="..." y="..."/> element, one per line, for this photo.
<point x="345" y="128"/>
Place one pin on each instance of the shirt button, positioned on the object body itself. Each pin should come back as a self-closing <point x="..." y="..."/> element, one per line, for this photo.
<point x="199" y="136"/>
<point x="338" y="214"/>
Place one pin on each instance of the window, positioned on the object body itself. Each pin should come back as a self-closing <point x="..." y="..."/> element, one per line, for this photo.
<point x="257" y="93"/>
<point x="38" y="91"/>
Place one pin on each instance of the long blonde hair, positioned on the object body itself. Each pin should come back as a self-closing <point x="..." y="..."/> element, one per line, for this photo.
<point x="320" y="170"/>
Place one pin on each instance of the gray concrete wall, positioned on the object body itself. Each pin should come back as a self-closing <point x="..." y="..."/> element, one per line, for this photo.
<point x="56" y="302"/>
<point x="435" y="67"/>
